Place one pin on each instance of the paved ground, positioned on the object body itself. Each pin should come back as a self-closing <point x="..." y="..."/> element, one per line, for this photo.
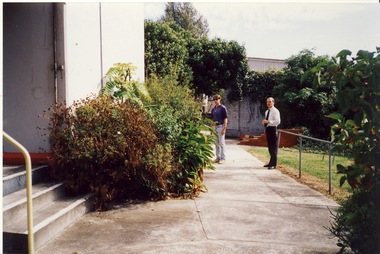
<point x="247" y="209"/>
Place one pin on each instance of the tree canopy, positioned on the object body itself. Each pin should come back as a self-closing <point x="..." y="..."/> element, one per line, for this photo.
<point x="204" y="65"/>
<point x="186" y="17"/>
<point x="176" y="46"/>
<point x="166" y="51"/>
<point x="218" y="64"/>
<point x="300" y="103"/>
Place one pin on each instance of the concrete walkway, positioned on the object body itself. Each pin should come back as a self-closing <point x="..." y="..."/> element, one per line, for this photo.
<point x="247" y="209"/>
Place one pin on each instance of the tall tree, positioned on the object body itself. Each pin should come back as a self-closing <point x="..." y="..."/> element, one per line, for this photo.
<point x="186" y="17"/>
<point x="166" y="51"/>
<point x="218" y="64"/>
<point x="300" y="103"/>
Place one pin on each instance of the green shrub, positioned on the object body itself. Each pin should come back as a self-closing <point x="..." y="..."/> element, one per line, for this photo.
<point x="115" y="147"/>
<point x="170" y="105"/>
<point x="177" y="115"/>
<point x="109" y="148"/>
<point x="194" y="152"/>
<point x="121" y="87"/>
<point x="357" y="222"/>
<point x="357" y="130"/>
<point x="168" y="93"/>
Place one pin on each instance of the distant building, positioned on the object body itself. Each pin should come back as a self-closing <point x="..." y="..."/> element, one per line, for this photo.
<point x="263" y="64"/>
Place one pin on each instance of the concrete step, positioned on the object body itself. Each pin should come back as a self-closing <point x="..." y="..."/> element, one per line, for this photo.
<point x="14" y="177"/>
<point x="48" y="221"/>
<point x="53" y="211"/>
<point x="15" y="204"/>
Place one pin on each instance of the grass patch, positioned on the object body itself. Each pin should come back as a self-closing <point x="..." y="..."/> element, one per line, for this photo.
<point x="315" y="171"/>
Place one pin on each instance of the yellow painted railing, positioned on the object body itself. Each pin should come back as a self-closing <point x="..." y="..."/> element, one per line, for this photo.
<point x="28" y="165"/>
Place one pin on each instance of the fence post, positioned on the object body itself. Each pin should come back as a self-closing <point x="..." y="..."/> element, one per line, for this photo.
<point x="300" y="157"/>
<point x="278" y="141"/>
<point x="330" y="168"/>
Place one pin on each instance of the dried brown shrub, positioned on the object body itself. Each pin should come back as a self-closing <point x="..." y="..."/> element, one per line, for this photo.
<point x="109" y="148"/>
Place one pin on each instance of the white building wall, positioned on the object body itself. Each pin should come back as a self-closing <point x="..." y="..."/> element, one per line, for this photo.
<point x="123" y="36"/>
<point x="28" y="58"/>
<point x="97" y="35"/>
<point x="82" y="50"/>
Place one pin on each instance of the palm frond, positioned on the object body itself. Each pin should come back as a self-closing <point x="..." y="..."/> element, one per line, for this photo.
<point x="140" y="90"/>
<point x="119" y="87"/>
<point x="109" y="88"/>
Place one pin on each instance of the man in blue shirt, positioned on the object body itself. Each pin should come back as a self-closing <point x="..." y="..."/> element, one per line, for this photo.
<point x="219" y="123"/>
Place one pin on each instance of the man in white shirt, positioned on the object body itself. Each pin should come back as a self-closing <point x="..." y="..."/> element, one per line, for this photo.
<point x="271" y="121"/>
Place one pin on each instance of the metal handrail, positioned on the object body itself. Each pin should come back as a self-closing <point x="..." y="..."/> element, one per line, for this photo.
<point x="300" y="150"/>
<point x="28" y="165"/>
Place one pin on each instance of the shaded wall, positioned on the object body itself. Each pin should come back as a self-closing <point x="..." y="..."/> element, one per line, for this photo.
<point x="28" y="77"/>
<point x="90" y="38"/>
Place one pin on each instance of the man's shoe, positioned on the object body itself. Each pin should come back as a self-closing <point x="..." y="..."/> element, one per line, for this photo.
<point x="216" y="161"/>
<point x="267" y="165"/>
<point x="272" y="167"/>
<point x="221" y="161"/>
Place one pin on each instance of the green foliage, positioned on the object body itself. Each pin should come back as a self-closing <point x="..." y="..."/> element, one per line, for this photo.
<point x="301" y="104"/>
<point x="357" y="129"/>
<point x="259" y="85"/>
<point x="186" y="17"/>
<point x="218" y="64"/>
<point x="109" y="148"/>
<point x="166" y="51"/>
<point x="357" y="222"/>
<point x="205" y="66"/>
<point x="178" y="117"/>
<point x="171" y="105"/>
<point x="120" y="85"/>
<point x="194" y="153"/>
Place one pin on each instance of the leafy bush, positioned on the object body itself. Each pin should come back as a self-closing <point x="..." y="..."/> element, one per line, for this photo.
<point x="357" y="222"/>
<point x="304" y="103"/>
<point x="109" y="148"/>
<point x="357" y="126"/>
<point x="357" y="129"/>
<point x="178" y="117"/>
<point x="120" y="85"/>
<point x="194" y="153"/>
<point x="259" y="85"/>
<point x="114" y="147"/>
<point x="170" y="105"/>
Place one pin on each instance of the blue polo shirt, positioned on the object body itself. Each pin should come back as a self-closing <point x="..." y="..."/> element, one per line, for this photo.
<point x="218" y="114"/>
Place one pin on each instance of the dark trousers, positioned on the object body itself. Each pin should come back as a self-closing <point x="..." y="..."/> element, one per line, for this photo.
<point x="271" y="133"/>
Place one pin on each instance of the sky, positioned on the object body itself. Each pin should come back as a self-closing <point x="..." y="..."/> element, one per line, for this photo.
<point x="280" y="29"/>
